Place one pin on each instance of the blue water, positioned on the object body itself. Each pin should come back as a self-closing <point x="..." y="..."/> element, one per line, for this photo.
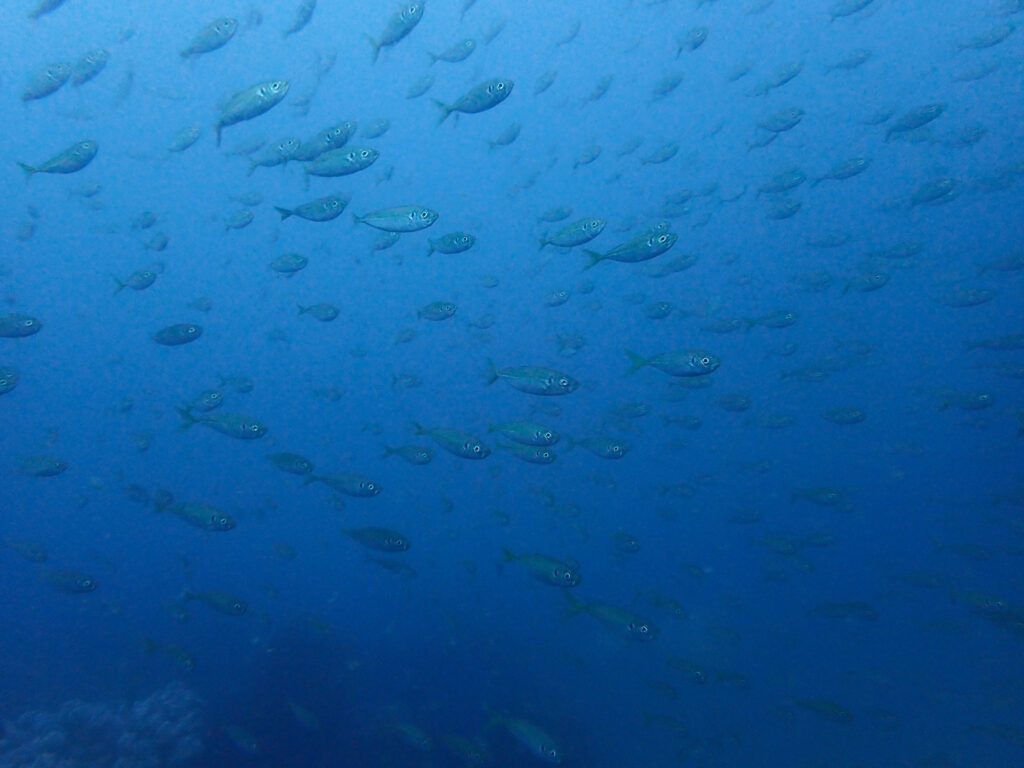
<point x="818" y="593"/>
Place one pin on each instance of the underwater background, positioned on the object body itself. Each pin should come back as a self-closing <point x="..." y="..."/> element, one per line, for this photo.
<point x="660" y="405"/>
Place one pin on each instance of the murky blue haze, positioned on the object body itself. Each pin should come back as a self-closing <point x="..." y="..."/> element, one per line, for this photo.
<point x="809" y="555"/>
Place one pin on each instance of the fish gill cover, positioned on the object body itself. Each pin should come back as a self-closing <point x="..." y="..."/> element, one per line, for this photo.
<point x="469" y="382"/>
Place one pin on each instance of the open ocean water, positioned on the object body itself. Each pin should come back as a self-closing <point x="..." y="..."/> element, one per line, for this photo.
<point x="512" y="383"/>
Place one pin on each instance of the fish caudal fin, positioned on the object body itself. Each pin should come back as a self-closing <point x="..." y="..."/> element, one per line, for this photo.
<point x="445" y="110"/>
<point x="285" y="213"/>
<point x="635" y="362"/>
<point x="492" y="373"/>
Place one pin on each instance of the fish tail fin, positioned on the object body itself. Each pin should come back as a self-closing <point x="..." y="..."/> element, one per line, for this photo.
<point x="252" y="168"/>
<point x="302" y="310"/>
<point x="356" y="218"/>
<point x="594" y="257"/>
<point x="149" y="645"/>
<point x="420" y="429"/>
<point x="120" y="286"/>
<point x="218" y="128"/>
<point x="575" y="606"/>
<point x="187" y="419"/>
<point x="376" y="48"/>
<point x="29" y="171"/>
<point x="430" y="251"/>
<point x="388" y="451"/>
<point x="570" y="443"/>
<point x="541" y="242"/>
<point x="492" y="372"/>
<point x="310" y="479"/>
<point x="508" y="556"/>
<point x="635" y="362"/>
<point x="445" y="110"/>
<point x="285" y="213"/>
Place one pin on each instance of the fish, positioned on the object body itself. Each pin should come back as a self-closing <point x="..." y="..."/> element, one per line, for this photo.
<point x="915" y="118"/>
<point x="252" y="102"/>
<point x="303" y="15"/>
<point x="278" y="154"/>
<point x="323" y="312"/>
<point x="173" y="651"/>
<point x="72" y="159"/>
<point x="41" y="466"/>
<point x="437" y="310"/>
<point x="401" y="23"/>
<point x="783" y="120"/>
<point x="18" y="326"/>
<point x="44" y="7"/>
<point x="602" y="447"/>
<point x="620" y="620"/>
<point x="544" y="81"/>
<point x="288" y="264"/>
<point x="531" y="736"/>
<point x="546" y="569"/>
<point x="70" y="582"/>
<point x="381" y="539"/>
<point x="185" y="138"/>
<point x="334" y="137"/>
<point x="527" y="433"/>
<point x="178" y="334"/>
<point x="455" y="441"/>
<point x="535" y="380"/>
<point x="453" y="242"/>
<point x="506" y="137"/>
<point x="403" y="218"/>
<point x="641" y="248"/>
<point x="348" y="483"/>
<point x="692" y="40"/>
<point x="460" y="51"/>
<point x="685" y="362"/>
<point x="235" y="425"/>
<point x="89" y="66"/>
<point x="222" y="602"/>
<point x="292" y="463"/>
<point x="46" y="81"/>
<point x="480" y="98"/>
<point x="376" y="128"/>
<point x="214" y="35"/>
<point x="414" y="454"/>
<point x="319" y="210"/>
<point x="8" y="379"/>
<point x="532" y="454"/>
<point x="342" y="162"/>
<point x="578" y="233"/>
<point x="419" y="87"/>
<point x="202" y="516"/>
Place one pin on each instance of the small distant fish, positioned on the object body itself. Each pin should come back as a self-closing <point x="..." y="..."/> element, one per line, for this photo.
<point x="176" y="335"/>
<point x="533" y="379"/>
<point x="46" y="81"/>
<point x="619" y="620"/>
<point x="381" y="539"/>
<point x="454" y="242"/>
<point x="414" y="454"/>
<point x="72" y="159"/>
<point x="319" y="210"/>
<point x="545" y="569"/>
<point x="41" y="466"/>
<point x="289" y="264"/>
<point x="185" y="138"/>
<point x="231" y="424"/>
<point x="480" y="98"/>
<point x="437" y="310"/>
<point x="539" y="743"/>
<point x="17" y="326"/>
<point x="202" y="516"/>
<point x="687" y="362"/>
<point x="292" y="463"/>
<point x="8" y="379"/>
<point x="342" y="162"/>
<point x="641" y="248"/>
<point x="915" y="118"/>
<point x="252" y="102"/>
<point x="404" y="218"/>
<point x="527" y="433"/>
<point x="506" y="137"/>
<point x="348" y="483"/>
<point x="602" y="447"/>
<point x="139" y="280"/>
<point x="222" y="602"/>
<point x="456" y="442"/>
<point x="214" y="35"/>
<point x="577" y="233"/>
<point x="303" y="15"/>
<point x="460" y="51"/>
<point x="323" y="312"/>
<point x="44" y="7"/>
<point x="89" y="66"/>
<point x="399" y="25"/>
<point x="70" y="582"/>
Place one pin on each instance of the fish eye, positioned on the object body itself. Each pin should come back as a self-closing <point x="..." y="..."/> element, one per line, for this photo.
<point x="476" y="449"/>
<point x="662" y="238"/>
<point x="424" y="214"/>
<point x="192" y="329"/>
<point x="236" y="605"/>
<point x="567" y="575"/>
<point x="644" y="629"/>
<point x="705" y="360"/>
<point x="500" y="86"/>
<point x="547" y="435"/>
<point x="254" y="428"/>
<point x="28" y="323"/>
<point x="564" y="382"/>
<point x="365" y="153"/>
